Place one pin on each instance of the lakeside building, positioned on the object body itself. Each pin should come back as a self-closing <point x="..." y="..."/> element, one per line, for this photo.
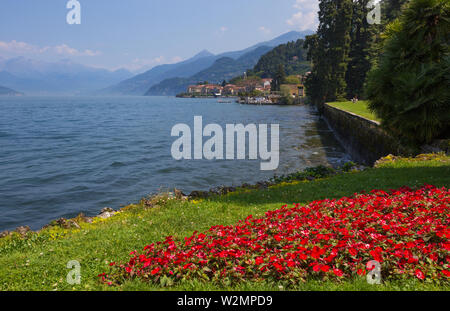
<point x="248" y="86"/>
<point x="295" y="90"/>
<point x="232" y="90"/>
<point x="205" y="90"/>
<point x="228" y="90"/>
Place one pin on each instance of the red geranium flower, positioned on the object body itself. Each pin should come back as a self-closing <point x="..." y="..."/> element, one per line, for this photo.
<point x="401" y="229"/>
<point x="338" y="272"/>
<point x="419" y="274"/>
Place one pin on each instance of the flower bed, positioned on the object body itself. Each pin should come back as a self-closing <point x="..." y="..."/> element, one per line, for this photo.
<point x="406" y="231"/>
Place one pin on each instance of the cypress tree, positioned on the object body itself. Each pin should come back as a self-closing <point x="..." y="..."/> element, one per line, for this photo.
<point x="362" y="49"/>
<point x="279" y="79"/>
<point x="329" y="50"/>
<point x="340" y="47"/>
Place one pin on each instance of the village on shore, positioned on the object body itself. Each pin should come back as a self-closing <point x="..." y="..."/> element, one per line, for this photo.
<point x="252" y="90"/>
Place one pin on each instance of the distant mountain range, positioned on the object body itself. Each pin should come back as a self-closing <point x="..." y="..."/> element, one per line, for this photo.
<point x="224" y="68"/>
<point x="65" y="77"/>
<point x="170" y="79"/>
<point x="5" y="91"/>
<point x="61" y="77"/>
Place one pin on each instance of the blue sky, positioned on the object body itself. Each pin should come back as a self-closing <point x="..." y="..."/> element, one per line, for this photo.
<point x="144" y="33"/>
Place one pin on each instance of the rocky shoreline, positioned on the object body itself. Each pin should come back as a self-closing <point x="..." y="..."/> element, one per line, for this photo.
<point x="308" y="174"/>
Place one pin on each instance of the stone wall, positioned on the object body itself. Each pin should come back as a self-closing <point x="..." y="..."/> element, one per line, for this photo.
<point x="363" y="139"/>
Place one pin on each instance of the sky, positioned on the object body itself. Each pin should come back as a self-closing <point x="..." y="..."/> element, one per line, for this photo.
<point x="140" y="34"/>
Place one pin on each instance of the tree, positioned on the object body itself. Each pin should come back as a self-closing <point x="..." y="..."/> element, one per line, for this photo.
<point x="291" y="55"/>
<point x="362" y="49"/>
<point x="340" y="47"/>
<point x="279" y="79"/>
<point x="286" y="97"/>
<point x="316" y="82"/>
<point x="329" y="51"/>
<point x="292" y="80"/>
<point x="391" y="9"/>
<point x="408" y="89"/>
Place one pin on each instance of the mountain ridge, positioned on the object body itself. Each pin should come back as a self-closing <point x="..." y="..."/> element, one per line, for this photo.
<point x="5" y="91"/>
<point x="59" y="77"/>
<point x="141" y="84"/>
<point x="224" y="68"/>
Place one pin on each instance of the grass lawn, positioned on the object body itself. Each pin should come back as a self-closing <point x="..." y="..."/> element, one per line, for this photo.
<point x="39" y="262"/>
<point x="360" y="108"/>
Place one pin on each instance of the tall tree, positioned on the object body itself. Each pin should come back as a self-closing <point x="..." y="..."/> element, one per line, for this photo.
<point x="340" y="39"/>
<point x="279" y="78"/>
<point x="316" y="83"/>
<point x="362" y="49"/>
<point x="329" y="50"/>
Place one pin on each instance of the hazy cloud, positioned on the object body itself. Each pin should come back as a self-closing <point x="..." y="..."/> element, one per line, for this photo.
<point x="16" y="48"/>
<point x="141" y="64"/>
<point x="306" y="16"/>
<point x="265" y="30"/>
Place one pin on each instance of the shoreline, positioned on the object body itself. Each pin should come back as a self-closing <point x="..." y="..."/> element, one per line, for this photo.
<point x="41" y="258"/>
<point x="308" y="174"/>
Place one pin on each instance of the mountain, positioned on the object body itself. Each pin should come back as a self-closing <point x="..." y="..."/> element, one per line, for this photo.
<point x="140" y="84"/>
<point x="291" y="55"/>
<point x="60" y="77"/>
<point x="285" y="38"/>
<point x="225" y="68"/>
<point x="4" y="91"/>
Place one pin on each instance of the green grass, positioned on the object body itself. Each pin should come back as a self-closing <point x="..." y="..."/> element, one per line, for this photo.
<point x="39" y="262"/>
<point x="360" y="108"/>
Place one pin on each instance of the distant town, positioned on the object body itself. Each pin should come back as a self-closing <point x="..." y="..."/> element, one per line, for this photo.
<point x="252" y="90"/>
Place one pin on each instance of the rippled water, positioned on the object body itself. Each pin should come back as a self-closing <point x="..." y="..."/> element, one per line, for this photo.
<point x="63" y="156"/>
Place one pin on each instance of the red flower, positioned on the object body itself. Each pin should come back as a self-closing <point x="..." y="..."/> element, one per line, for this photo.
<point x="306" y="242"/>
<point x="259" y="261"/>
<point x="317" y="268"/>
<point x="353" y="252"/>
<point x="419" y="274"/>
<point x="155" y="271"/>
<point x="361" y="272"/>
<point x="338" y="272"/>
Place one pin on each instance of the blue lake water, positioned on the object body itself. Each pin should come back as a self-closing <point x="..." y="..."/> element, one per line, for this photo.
<point x="60" y="156"/>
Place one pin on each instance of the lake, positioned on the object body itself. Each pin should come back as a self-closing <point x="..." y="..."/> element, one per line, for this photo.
<point x="61" y="156"/>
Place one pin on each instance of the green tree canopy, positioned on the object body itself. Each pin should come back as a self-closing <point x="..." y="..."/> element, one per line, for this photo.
<point x="292" y="80"/>
<point x="409" y="89"/>
<point x="391" y="9"/>
<point x="329" y="51"/>
<point x="279" y="78"/>
<point x="291" y="55"/>
<point x="362" y="49"/>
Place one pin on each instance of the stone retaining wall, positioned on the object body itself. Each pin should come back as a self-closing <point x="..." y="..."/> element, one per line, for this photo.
<point x="363" y="139"/>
